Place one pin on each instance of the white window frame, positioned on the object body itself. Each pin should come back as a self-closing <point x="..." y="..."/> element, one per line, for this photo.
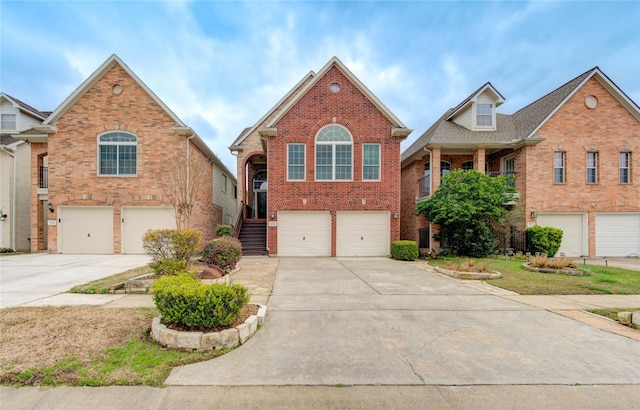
<point x="224" y="182"/>
<point x="3" y="122"/>
<point x="462" y="166"/>
<point x="491" y="115"/>
<point x="304" y="162"/>
<point x="117" y="144"/>
<point x="563" y="167"/>
<point x="379" y="165"/>
<point x="503" y="164"/>
<point x="592" y="165"/>
<point x="333" y="145"/>
<point x="626" y="154"/>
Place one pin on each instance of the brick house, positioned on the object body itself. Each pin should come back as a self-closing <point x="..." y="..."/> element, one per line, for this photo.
<point x="108" y="146"/>
<point x="571" y="151"/>
<point x="320" y="171"/>
<point x="15" y="159"/>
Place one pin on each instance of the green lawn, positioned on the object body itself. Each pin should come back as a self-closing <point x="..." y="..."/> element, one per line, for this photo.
<point x="598" y="279"/>
<point x="102" y="285"/>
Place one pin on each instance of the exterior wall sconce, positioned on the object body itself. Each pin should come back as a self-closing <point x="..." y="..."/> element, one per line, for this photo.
<point x="534" y="214"/>
<point x="273" y="215"/>
<point x="395" y="215"/>
<point x="50" y="207"/>
<point x="3" y="217"/>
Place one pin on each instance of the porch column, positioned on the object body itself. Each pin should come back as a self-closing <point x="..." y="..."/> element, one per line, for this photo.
<point x="479" y="159"/>
<point x="435" y="169"/>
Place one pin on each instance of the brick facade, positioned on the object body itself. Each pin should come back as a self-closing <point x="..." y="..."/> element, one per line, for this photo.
<point x="73" y="158"/>
<point x="353" y="110"/>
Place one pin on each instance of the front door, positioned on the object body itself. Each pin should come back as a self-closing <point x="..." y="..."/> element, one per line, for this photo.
<point x="261" y="205"/>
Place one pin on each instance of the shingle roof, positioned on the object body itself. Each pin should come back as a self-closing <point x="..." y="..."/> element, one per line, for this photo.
<point x="7" y="139"/>
<point x="26" y="107"/>
<point x="510" y="128"/>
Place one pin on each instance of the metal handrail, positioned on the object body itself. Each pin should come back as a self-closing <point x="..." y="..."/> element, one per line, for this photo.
<point x="239" y="219"/>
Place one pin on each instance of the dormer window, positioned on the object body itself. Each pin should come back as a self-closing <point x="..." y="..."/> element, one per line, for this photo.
<point x="484" y="115"/>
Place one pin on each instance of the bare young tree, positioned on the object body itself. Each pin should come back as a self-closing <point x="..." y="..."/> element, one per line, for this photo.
<point x="180" y="181"/>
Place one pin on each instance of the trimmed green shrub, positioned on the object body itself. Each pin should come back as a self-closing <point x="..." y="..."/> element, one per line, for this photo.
<point x="404" y="250"/>
<point x="185" y="301"/>
<point x="224" y="230"/>
<point x="223" y="252"/>
<point x="171" y="250"/>
<point x="544" y="239"/>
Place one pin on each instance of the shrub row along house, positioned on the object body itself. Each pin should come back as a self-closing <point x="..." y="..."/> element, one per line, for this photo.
<point x="113" y="161"/>
<point x="322" y="174"/>
<point x="571" y="152"/>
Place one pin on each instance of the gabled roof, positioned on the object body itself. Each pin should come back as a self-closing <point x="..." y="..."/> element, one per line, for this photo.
<point x="22" y="106"/>
<point x="516" y="128"/>
<point x="474" y="96"/>
<point x="335" y="62"/>
<point x="249" y="130"/>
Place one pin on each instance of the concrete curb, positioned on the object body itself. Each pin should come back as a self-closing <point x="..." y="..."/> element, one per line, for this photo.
<point x="468" y="275"/>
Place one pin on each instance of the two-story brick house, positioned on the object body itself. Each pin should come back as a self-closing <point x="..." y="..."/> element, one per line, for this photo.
<point x="109" y="146"/>
<point x="322" y="169"/>
<point x="571" y="151"/>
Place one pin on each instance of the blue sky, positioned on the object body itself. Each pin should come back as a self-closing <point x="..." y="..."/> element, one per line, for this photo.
<point x="221" y="65"/>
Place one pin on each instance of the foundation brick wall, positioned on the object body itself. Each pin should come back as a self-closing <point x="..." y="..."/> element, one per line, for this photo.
<point x="73" y="156"/>
<point x="351" y="109"/>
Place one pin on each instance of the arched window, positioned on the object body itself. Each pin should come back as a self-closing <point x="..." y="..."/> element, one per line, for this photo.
<point x="467" y="165"/>
<point x="334" y="154"/>
<point x="117" y="153"/>
<point x="260" y="180"/>
<point x="445" y="168"/>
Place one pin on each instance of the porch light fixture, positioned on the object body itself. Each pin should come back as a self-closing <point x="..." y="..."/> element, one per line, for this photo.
<point x="534" y="214"/>
<point x="273" y="215"/>
<point x="50" y="207"/>
<point x="3" y="217"/>
<point x="395" y="215"/>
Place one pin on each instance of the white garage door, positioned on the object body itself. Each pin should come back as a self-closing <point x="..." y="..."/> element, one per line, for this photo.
<point x="617" y="234"/>
<point x="137" y="220"/>
<point x="363" y="233"/>
<point x="574" y="232"/>
<point x="302" y="233"/>
<point x="85" y="229"/>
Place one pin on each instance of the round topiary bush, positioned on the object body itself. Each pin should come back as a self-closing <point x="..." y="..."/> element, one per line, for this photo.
<point x="224" y="230"/>
<point x="183" y="300"/>
<point x="223" y="252"/>
<point x="404" y="250"/>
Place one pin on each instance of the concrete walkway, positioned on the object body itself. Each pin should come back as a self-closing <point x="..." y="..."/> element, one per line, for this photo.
<point x="376" y="321"/>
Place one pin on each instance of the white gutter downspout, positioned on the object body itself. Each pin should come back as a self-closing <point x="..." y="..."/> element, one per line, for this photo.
<point x="430" y="186"/>
<point x="14" y="199"/>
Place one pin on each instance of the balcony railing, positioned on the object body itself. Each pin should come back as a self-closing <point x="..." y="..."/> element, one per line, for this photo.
<point x="511" y="176"/>
<point x="424" y="187"/>
<point x="43" y="177"/>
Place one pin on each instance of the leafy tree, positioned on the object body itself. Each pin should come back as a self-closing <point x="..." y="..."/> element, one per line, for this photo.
<point x="465" y="206"/>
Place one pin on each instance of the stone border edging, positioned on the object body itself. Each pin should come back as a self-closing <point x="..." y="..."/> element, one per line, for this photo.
<point x="201" y="341"/>
<point x="528" y="266"/>
<point x="468" y="275"/>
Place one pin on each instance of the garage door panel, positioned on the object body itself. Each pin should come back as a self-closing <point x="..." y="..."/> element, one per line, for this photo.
<point x="617" y="234"/>
<point x="363" y="233"/>
<point x="86" y="230"/>
<point x="137" y="220"/>
<point x="573" y="232"/>
<point x="302" y="233"/>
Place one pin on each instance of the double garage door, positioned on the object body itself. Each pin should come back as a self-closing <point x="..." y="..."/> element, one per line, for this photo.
<point x="616" y="234"/>
<point x="308" y="233"/>
<point x="89" y="230"/>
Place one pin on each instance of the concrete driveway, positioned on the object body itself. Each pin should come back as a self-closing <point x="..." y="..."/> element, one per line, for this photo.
<point x="375" y="321"/>
<point x="31" y="277"/>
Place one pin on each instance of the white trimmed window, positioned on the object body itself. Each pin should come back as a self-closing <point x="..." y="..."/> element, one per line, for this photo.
<point x="224" y="182"/>
<point x="117" y="153"/>
<point x="467" y="165"/>
<point x="592" y="167"/>
<point x="334" y="154"/>
<point x="295" y="162"/>
<point x="8" y="122"/>
<point x="625" y="167"/>
<point x="484" y="114"/>
<point x="559" y="167"/>
<point x="371" y="162"/>
<point x="445" y="168"/>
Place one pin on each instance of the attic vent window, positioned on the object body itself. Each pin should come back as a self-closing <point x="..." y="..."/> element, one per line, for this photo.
<point x="334" y="87"/>
<point x="590" y="102"/>
<point x="117" y="89"/>
<point x="484" y="114"/>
